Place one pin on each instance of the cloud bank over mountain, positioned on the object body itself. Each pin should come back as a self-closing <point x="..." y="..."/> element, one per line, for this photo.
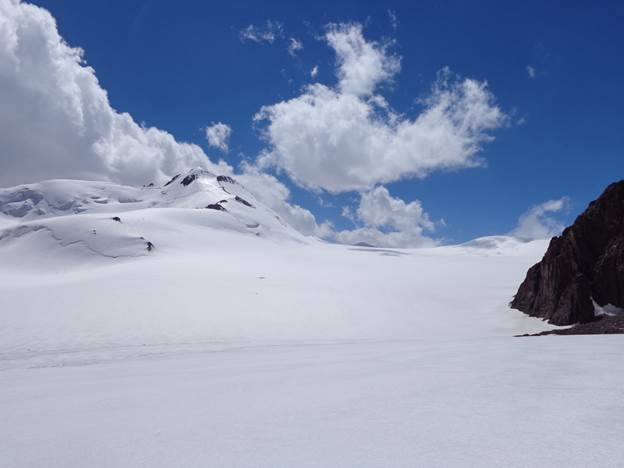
<point x="56" y="121"/>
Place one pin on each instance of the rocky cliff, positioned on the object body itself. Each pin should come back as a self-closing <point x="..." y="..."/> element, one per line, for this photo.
<point x="586" y="262"/>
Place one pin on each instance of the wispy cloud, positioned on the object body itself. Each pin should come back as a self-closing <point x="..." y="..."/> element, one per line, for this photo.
<point x="394" y="21"/>
<point x="294" y="46"/>
<point x="531" y="71"/>
<point x="267" y="33"/>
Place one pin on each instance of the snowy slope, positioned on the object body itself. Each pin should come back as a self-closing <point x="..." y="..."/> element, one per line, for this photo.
<point x="120" y="221"/>
<point x="202" y="285"/>
<point x="235" y="341"/>
<point x="543" y="402"/>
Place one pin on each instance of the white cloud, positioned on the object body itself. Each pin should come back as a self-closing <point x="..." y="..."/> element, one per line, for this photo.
<point x="218" y="135"/>
<point x="314" y="71"/>
<point x="267" y="33"/>
<point x="294" y="46"/>
<point x="361" y="64"/>
<point x="349" y="138"/>
<point x="56" y="120"/>
<point x="537" y="222"/>
<point x="532" y="72"/>
<point x="387" y="221"/>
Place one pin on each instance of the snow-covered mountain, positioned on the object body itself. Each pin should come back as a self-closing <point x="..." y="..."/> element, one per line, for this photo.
<point x="106" y="219"/>
<point x="187" y="325"/>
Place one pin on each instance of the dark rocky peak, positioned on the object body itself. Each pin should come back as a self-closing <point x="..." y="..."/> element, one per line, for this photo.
<point x="583" y="265"/>
<point x="172" y="180"/>
<point x="228" y="179"/>
<point x="194" y="174"/>
<point x="243" y="201"/>
<point x="189" y="179"/>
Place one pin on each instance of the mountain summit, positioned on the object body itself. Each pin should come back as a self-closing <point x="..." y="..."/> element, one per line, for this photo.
<point x="111" y="220"/>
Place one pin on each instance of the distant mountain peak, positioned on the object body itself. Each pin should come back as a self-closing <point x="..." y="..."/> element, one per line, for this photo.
<point x="116" y="220"/>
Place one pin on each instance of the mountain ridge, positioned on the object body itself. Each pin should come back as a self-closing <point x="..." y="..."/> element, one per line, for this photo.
<point x="115" y="220"/>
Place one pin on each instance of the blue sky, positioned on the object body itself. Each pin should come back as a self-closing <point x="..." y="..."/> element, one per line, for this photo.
<point x="179" y="66"/>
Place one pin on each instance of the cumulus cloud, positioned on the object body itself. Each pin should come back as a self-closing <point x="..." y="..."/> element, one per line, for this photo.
<point x="348" y="137"/>
<point x="361" y="64"/>
<point x="386" y="221"/>
<point x="538" y="222"/>
<point x="218" y="135"/>
<point x="56" y="120"/>
<point x="314" y="71"/>
<point x="294" y="46"/>
<point x="263" y="33"/>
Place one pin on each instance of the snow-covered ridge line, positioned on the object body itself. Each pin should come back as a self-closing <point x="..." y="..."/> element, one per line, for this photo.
<point x="61" y="197"/>
<point x="114" y="220"/>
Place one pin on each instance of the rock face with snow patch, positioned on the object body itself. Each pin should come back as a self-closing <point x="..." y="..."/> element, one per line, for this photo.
<point x="585" y="263"/>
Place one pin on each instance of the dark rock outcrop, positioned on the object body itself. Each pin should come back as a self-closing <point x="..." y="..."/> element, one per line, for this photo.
<point x="188" y="180"/>
<point x="148" y="245"/>
<point x="243" y="201"/>
<point x="223" y="178"/>
<point x="172" y="180"/>
<point x="216" y="206"/>
<point x="586" y="262"/>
